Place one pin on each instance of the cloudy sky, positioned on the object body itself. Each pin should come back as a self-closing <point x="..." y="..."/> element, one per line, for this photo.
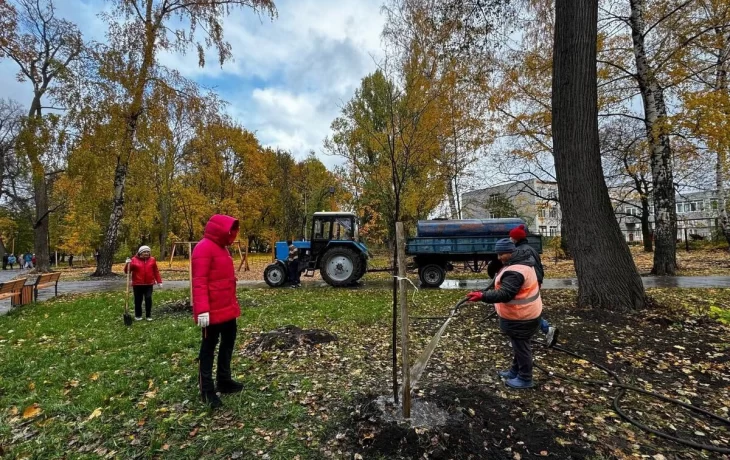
<point x="289" y="77"/>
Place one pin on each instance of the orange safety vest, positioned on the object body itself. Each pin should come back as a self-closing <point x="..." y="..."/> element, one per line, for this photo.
<point x="528" y="303"/>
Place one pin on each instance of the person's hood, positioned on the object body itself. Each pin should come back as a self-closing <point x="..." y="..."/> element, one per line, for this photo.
<point x="219" y="229"/>
<point x="522" y="258"/>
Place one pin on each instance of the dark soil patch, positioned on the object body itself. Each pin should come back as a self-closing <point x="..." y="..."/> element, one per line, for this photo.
<point x="480" y="425"/>
<point x="288" y="338"/>
<point x="178" y="307"/>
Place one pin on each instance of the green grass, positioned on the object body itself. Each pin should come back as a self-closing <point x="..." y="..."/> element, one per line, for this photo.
<point x="73" y="356"/>
<point x="103" y="389"/>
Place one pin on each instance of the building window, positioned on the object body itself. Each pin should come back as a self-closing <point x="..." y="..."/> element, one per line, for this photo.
<point x="552" y="195"/>
<point x="494" y="198"/>
<point x="541" y="213"/>
<point x="713" y="205"/>
<point x="553" y="230"/>
<point x="553" y="213"/>
<point x="543" y="230"/>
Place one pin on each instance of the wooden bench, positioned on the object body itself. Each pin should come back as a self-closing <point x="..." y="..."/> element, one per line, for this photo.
<point x="45" y="281"/>
<point x="11" y="290"/>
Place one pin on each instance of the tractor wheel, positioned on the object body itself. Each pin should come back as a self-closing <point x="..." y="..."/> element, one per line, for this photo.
<point x="363" y="268"/>
<point x="431" y="275"/>
<point x="341" y="266"/>
<point x="275" y="275"/>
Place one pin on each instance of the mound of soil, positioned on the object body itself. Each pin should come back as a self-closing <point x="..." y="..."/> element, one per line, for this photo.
<point x="177" y="307"/>
<point x="480" y="425"/>
<point x="288" y="338"/>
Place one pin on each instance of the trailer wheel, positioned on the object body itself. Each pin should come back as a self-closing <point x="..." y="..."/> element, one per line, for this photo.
<point x="431" y="275"/>
<point x="275" y="275"/>
<point x="341" y="266"/>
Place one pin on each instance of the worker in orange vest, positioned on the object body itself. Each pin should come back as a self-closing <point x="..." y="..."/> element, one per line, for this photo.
<point x="516" y="297"/>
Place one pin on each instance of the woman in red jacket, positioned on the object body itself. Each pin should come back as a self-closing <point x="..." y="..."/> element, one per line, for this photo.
<point x="215" y="307"/>
<point x="145" y="274"/>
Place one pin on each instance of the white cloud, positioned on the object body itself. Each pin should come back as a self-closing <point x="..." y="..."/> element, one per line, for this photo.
<point x="288" y="77"/>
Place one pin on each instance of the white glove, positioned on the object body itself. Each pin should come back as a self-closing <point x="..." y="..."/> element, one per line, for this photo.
<point x="203" y="319"/>
<point x="128" y="260"/>
<point x="160" y="285"/>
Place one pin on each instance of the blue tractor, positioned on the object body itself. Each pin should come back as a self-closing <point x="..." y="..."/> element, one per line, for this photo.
<point x="333" y="249"/>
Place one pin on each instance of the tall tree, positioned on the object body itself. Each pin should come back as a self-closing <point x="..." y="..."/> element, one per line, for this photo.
<point x="138" y="31"/>
<point x="706" y="96"/>
<point x="657" y="132"/>
<point x="607" y="276"/>
<point x="43" y="46"/>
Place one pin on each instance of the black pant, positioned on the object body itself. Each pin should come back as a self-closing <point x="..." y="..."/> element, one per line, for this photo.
<point x="294" y="273"/>
<point x="227" y="333"/>
<point x="522" y="360"/>
<point x="142" y="292"/>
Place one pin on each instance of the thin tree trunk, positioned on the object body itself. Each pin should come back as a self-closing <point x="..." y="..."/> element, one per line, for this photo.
<point x="721" y="162"/>
<point x="109" y="248"/>
<point x="40" y="233"/>
<point x="607" y="276"/>
<point x="656" y="123"/>
<point x="645" y="228"/>
<point x="452" y="199"/>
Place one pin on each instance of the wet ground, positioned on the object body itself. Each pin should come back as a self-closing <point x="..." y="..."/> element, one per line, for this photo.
<point x="108" y="285"/>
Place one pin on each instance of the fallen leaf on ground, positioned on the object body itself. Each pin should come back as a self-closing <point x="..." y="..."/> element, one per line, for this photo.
<point x="96" y="413"/>
<point x="32" y="411"/>
<point x="194" y="432"/>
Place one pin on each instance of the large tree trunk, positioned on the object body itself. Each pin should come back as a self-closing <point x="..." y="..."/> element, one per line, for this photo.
<point x="40" y="185"/>
<point x="607" y="276"/>
<point x="657" y="132"/>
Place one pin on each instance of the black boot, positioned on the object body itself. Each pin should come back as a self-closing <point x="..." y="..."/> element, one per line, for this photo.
<point x="229" y="386"/>
<point x="211" y="399"/>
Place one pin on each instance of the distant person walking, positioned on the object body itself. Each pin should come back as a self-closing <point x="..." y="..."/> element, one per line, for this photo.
<point x="215" y="306"/>
<point x="28" y="259"/>
<point x="294" y="273"/>
<point x="5" y="261"/>
<point x="71" y="260"/>
<point x="12" y="260"/>
<point x="145" y="275"/>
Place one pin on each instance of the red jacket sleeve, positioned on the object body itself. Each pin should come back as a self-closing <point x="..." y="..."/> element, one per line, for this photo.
<point x="201" y="270"/>
<point x="128" y="268"/>
<point x="156" y="271"/>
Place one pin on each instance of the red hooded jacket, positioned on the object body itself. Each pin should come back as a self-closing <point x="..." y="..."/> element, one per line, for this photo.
<point x="144" y="272"/>
<point x="214" y="278"/>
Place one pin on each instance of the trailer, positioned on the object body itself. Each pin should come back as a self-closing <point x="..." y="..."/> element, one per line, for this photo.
<point x="439" y="244"/>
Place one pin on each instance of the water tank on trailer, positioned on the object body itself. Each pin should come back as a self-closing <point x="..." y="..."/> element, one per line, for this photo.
<point x="467" y="227"/>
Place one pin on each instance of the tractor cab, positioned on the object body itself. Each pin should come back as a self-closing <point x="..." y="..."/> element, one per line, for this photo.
<point x="332" y="226"/>
<point x="333" y="248"/>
